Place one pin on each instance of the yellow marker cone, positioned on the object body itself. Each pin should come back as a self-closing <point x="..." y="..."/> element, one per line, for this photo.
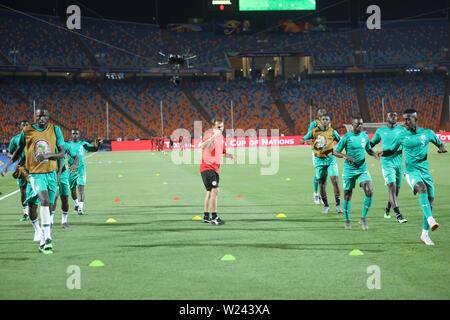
<point x="196" y="218"/>
<point x="111" y="220"/>
<point x="96" y="263"/>
<point x="281" y="215"/>
<point x="356" y="252"/>
<point x="120" y="175"/>
<point x="157" y="174"/>
<point x="228" y="257"/>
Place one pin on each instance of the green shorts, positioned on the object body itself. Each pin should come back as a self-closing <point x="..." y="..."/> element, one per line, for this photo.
<point x="326" y="166"/>
<point x="41" y="182"/>
<point x="64" y="189"/>
<point x="351" y="175"/>
<point x="392" y="171"/>
<point x="21" y="183"/>
<point x="78" y="178"/>
<point x="414" y="176"/>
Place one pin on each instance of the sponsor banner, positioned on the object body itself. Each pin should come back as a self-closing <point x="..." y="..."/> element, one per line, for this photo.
<point x="243" y="142"/>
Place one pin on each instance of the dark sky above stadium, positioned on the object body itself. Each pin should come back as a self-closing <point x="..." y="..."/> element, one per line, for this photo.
<point x="176" y="11"/>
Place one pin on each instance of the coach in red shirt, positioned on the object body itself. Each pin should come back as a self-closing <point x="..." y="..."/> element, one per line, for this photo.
<point x="213" y="147"/>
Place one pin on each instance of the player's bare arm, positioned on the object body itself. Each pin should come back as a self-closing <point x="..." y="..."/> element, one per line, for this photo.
<point x="442" y="149"/>
<point x="51" y="156"/>
<point x="347" y="158"/>
<point x="73" y="167"/>
<point x="208" y="141"/>
<point x="15" y="157"/>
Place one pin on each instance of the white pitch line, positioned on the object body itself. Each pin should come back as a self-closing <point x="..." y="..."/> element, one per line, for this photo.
<point x="18" y="190"/>
<point x="8" y="195"/>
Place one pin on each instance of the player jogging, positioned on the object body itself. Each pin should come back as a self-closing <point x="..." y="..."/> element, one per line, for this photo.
<point x="213" y="147"/>
<point x="392" y="166"/>
<point x="415" y="142"/>
<point x="323" y="137"/>
<point x="356" y="143"/>
<point x="41" y="142"/>
<point x="78" y="178"/>
<point x="63" y="190"/>
<point x="312" y="125"/>
<point x="22" y="183"/>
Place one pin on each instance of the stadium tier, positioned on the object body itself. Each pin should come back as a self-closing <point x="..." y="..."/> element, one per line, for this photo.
<point x="405" y="42"/>
<point x="253" y="106"/>
<point x="142" y="99"/>
<point x="35" y="40"/>
<point x="424" y="93"/>
<point x="337" y="95"/>
<point x="38" y="41"/>
<point x="120" y="44"/>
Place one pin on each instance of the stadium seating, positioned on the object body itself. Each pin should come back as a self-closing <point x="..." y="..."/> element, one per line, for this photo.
<point x="405" y="42"/>
<point x="253" y="106"/>
<point x="337" y="95"/>
<point x="424" y="93"/>
<point x="39" y="40"/>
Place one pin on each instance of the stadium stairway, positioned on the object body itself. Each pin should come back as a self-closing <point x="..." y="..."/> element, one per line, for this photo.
<point x="188" y="93"/>
<point x="20" y="96"/>
<point x="276" y="96"/>
<point x="362" y="99"/>
<point x="445" y="116"/>
<point x="129" y="117"/>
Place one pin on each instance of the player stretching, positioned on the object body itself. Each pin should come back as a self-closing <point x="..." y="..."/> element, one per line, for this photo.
<point x="312" y="125"/>
<point x="13" y="145"/>
<point x="78" y="178"/>
<point x="417" y="173"/>
<point x="213" y="147"/>
<point x="40" y="142"/>
<point x="63" y="190"/>
<point x="324" y="160"/>
<point x="392" y="166"/>
<point x="356" y="143"/>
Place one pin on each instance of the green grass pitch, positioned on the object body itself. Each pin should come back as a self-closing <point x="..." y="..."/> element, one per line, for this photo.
<point x="156" y="251"/>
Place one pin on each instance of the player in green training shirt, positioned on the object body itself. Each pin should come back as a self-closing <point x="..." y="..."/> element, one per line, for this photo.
<point x="415" y="142"/>
<point x="392" y="166"/>
<point x="78" y="178"/>
<point x="13" y="145"/>
<point x="356" y="143"/>
<point x="63" y="190"/>
<point x="312" y="125"/>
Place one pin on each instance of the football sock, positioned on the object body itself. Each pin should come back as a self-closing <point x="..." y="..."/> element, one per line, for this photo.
<point x="76" y="202"/>
<point x="424" y="233"/>
<point x="316" y="184"/>
<point x="338" y="200"/>
<point x="325" y="201"/>
<point x="45" y="218"/>
<point x="36" y="226"/>
<point x="206" y="214"/>
<point x="52" y="214"/>
<point x="397" y="211"/>
<point x="347" y="206"/>
<point x="366" y="206"/>
<point x="214" y="215"/>
<point x="80" y="206"/>
<point x="25" y="210"/>
<point x="388" y="207"/>
<point x="64" y="217"/>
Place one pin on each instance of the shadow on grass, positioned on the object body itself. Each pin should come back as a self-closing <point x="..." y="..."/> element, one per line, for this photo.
<point x="283" y="246"/>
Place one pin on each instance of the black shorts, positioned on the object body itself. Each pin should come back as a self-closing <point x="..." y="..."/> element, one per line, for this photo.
<point x="210" y="179"/>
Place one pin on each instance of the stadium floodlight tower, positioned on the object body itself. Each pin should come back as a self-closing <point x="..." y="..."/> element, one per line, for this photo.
<point x="176" y="62"/>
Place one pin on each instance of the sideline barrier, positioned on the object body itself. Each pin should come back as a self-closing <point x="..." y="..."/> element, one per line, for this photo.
<point x="244" y="142"/>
